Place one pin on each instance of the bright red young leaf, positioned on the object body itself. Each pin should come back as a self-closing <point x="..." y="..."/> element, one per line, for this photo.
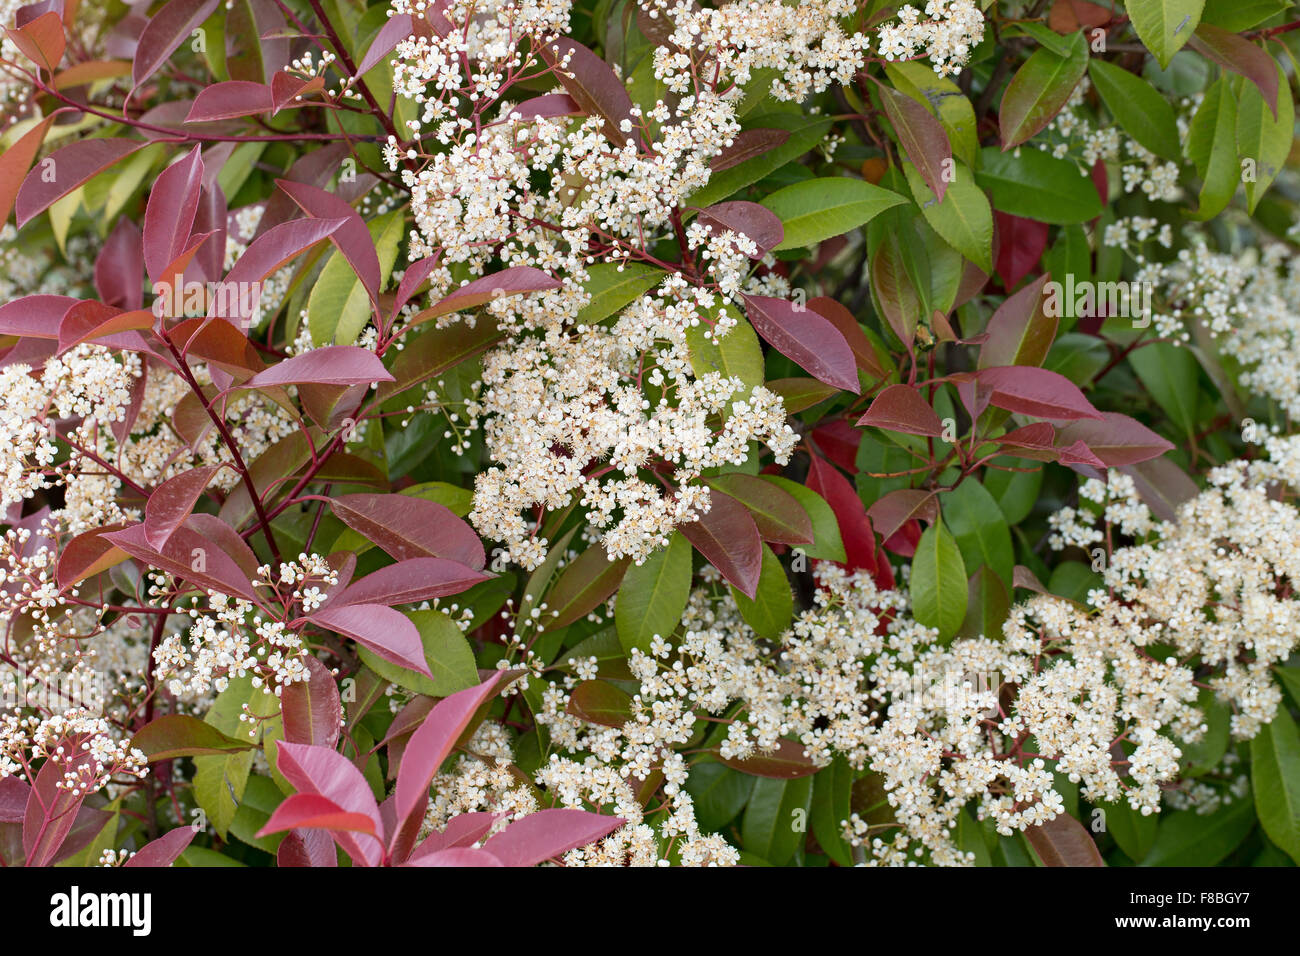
<point x="190" y="556"/>
<point x="273" y="248"/>
<point x="414" y="275"/>
<point x="88" y="554"/>
<point x="165" y="31"/>
<point x="41" y="40"/>
<point x="119" y="266"/>
<point x="513" y="281"/>
<point x="91" y="320"/>
<point x="777" y="513"/>
<point x="547" y="834"/>
<point x="902" y="408"/>
<point x="311" y="811"/>
<point x="319" y="771"/>
<point x="806" y="338"/>
<point x="851" y="516"/>
<point x="1117" y="439"/>
<point x="1021" y="243"/>
<point x="394" y="31"/>
<point x="889" y="513"/>
<point x="456" y="856"/>
<point x="352" y="238"/>
<point x="727" y="536"/>
<point x="388" y="633"/>
<point x="52" y="810"/>
<point x="306" y="848"/>
<point x="164" y="850"/>
<point x="462" y="830"/>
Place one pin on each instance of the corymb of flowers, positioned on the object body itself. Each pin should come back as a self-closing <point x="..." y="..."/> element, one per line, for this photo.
<point x="649" y="432"/>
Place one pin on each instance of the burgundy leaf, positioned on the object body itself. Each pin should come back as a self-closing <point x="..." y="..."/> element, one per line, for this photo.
<point x="35" y="316"/>
<point x="513" y="281"/>
<point x="393" y="32"/>
<point x="93" y="320"/>
<point x="17" y="160"/>
<point x="229" y="100"/>
<point x="1163" y="486"/>
<point x="746" y="145"/>
<point x="169" y="215"/>
<point x="433" y="741"/>
<point x="1036" y="437"/>
<point x="851" y="516"/>
<point x="164" y="850"/>
<point x="352" y="238"/>
<point x="462" y="830"/>
<point x="415" y="579"/>
<point x="777" y="514"/>
<point x="600" y="702"/>
<point x="807" y="339"/>
<point x="227" y="539"/>
<point x="165" y="32"/>
<point x="211" y="221"/>
<point x="388" y="633"/>
<point x="311" y="811"/>
<point x="839" y="316"/>
<point x="1063" y="841"/>
<point x="594" y="86"/>
<point x="173" y="501"/>
<point x="727" y="536"/>
<point x="189" y="556"/>
<point x="787" y="762"/>
<point x="456" y="856"/>
<point x="902" y="408"/>
<point x="1019" y="332"/>
<point x="14" y="793"/>
<point x="319" y="771"/>
<point x="1079" y="453"/>
<point x="52" y="810"/>
<point x="331" y="365"/>
<point x="119" y="267"/>
<point x="273" y="248"/>
<point x="547" y="834"/>
<point x="311" y="709"/>
<point x="409" y="527"/>
<point x="1036" y="391"/>
<point x="900" y="506"/>
<point x="748" y="218"/>
<point x="72" y="165"/>
<point x="922" y="137"/>
<point x="1020" y="246"/>
<point x="1236" y="53"/>
<point x="414" y="275"/>
<point x="306" y="848"/>
<point x="547" y="106"/>
<point x="86" y="555"/>
<point x="289" y="90"/>
<point x="1117" y="439"/>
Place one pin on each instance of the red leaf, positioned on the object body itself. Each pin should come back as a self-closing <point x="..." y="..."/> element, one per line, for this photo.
<point x="169" y="215"/>
<point x="188" y="556"/>
<point x="900" y="506"/>
<point x="547" y="834"/>
<point x="273" y="248"/>
<point x="394" y="31"/>
<point x="594" y="86"/>
<point x="306" y="848"/>
<point x="331" y="365"/>
<point x="922" y="137"/>
<point x="746" y="145"/>
<point x="352" y="238"/>
<point x="415" y="579"/>
<point x="1117" y="439"/>
<point x="1036" y="391"/>
<point x="1020" y="246"/>
<point x="806" y="338"/>
<point x="462" y="830"/>
<point x="172" y="502"/>
<point x="456" y="856"/>
<point x="1239" y="55"/>
<point x="388" y="633"/>
<point x="839" y="441"/>
<point x="164" y="32"/>
<point x="41" y="40"/>
<point x="1063" y="841"/>
<point x="93" y="320"/>
<point x="747" y="218"/>
<point x="1036" y="437"/>
<point x="228" y="100"/>
<point x="14" y="793"/>
<point x="52" y="810"/>
<point x="1079" y="453"/>
<point x="433" y="741"/>
<point x="513" y="281"/>
<point x="319" y="771"/>
<point x="72" y="165"/>
<point x="727" y="536"/>
<point x="839" y="316"/>
<point x="547" y="106"/>
<point x="87" y="555"/>
<point x="777" y="514"/>
<point x="17" y="159"/>
<point x="414" y="275"/>
<point x="311" y="709"/>
<point x="119" y="266"/>
<point x="288" y="90"/>
<point x="850" y="514"/>
<point x="902" y="408"/>
<point x="164" y="850"/>
<point x="787" y="762"/>
<point x="311" y="811"/>
<point x="409" y="527"/>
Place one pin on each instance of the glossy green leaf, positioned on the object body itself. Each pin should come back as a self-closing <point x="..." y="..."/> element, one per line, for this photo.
<point x="938" y="584"/>
<point x="653" y="595"/>
<point x="818" y="209"/>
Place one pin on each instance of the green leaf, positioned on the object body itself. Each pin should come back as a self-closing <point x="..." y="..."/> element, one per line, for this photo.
<point x="979" y="528"/>
<point x="1040" y="88"/>
<point x="653" y="595"/>
<point x="719" y="793"/>
<point x="969" y="837"/>
<point x="1015" y="491"/>
<point x="987" y="604"/>
<point x="219" y="781"/>
<point x="805" y="133"/>
<point x="1262" y="138"/>
<point x="339" y="306"/>
<point x="1143" y="112"/>
<point x="1205" y="754"/>
<point x="1169" y="374"/>
<point x="1164" y="26"/>
<point x="938" y="584"/>
<point x="1078" y="357"/>
<point x="448" y="654"/>
<point x="818" y="209"/>
<point x="770" y="611"/>
<point x="771" y="827"/>
<point x="1275" y="778"/>
<point x="963" y="219"/>
<point x="827" y="543"/>
<point x="1188" y="838"/>
<point x="831" y="806"/>
<point x="1212" y="147"/>
<point x="1037" y="185"/>
<point x="179" y="735"/>
<point x="613" y="286"/>
<point x="1133" y="831"/>
<point x="737" y="354"/>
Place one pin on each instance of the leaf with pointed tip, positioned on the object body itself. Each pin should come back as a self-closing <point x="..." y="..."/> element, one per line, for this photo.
<point x="72" y="165"/>
<point x="388" y="633"/>
<point x="319" y="771"/>
<point x="902" y="408"/>
<point x="352" y="238"/>
<point x="548" y="834"/>
<point x="189" y="556"/>
<point x="93" y="320"/>
<point x="273" y="248"/>
<point x="331" y="365"/>
<point x="457" y="856"/>
<point x="1164" y="26"/>
<point x="922" y="137"/>
<point x="173" y="501"/>
<point x="1039" y="90"/>
<point x="164" y="850"/>
<point x="311" y="811"/>
<point x="938" y="584"/>
<point x="164" y="32"/>
<point x="728" y="538"/>
<point x="169" y="215"/>
<point x="890" y="513"/>
<point x="17" y="160"/>
<point x="1117" y="440"/>
<point x="88" y="554"/>
<point x="311" y="709"/>
<point x="1028" y="390"/>
<point x="777" y="513"/>
<point x="414" y="579"/>
<point x="1063" y="841"/>
<point x="818" y="209"/>
<point x="594" y="86"/>
<point x="585" y="583"/>
<point x="412" y="277"/>
<point x="749" y="219"/>
<point x="41" y="40"/>
<point x="839" y="316"/>
<point x="179" y="735"/>
<point x="230" y="100"/>
<point x="516" y="280"/>
<point x="1020" y="331"/>
<point x="306" y="848"/>
<point x="409" y="527"/>
<point x="806" y="338"/>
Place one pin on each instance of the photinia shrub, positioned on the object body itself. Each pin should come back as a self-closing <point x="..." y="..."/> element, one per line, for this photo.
<point x="634" y="432"/>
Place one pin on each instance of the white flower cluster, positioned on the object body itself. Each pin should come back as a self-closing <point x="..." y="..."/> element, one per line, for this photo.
<point x="946" y="34"/>
<point x="86" y="747"/>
